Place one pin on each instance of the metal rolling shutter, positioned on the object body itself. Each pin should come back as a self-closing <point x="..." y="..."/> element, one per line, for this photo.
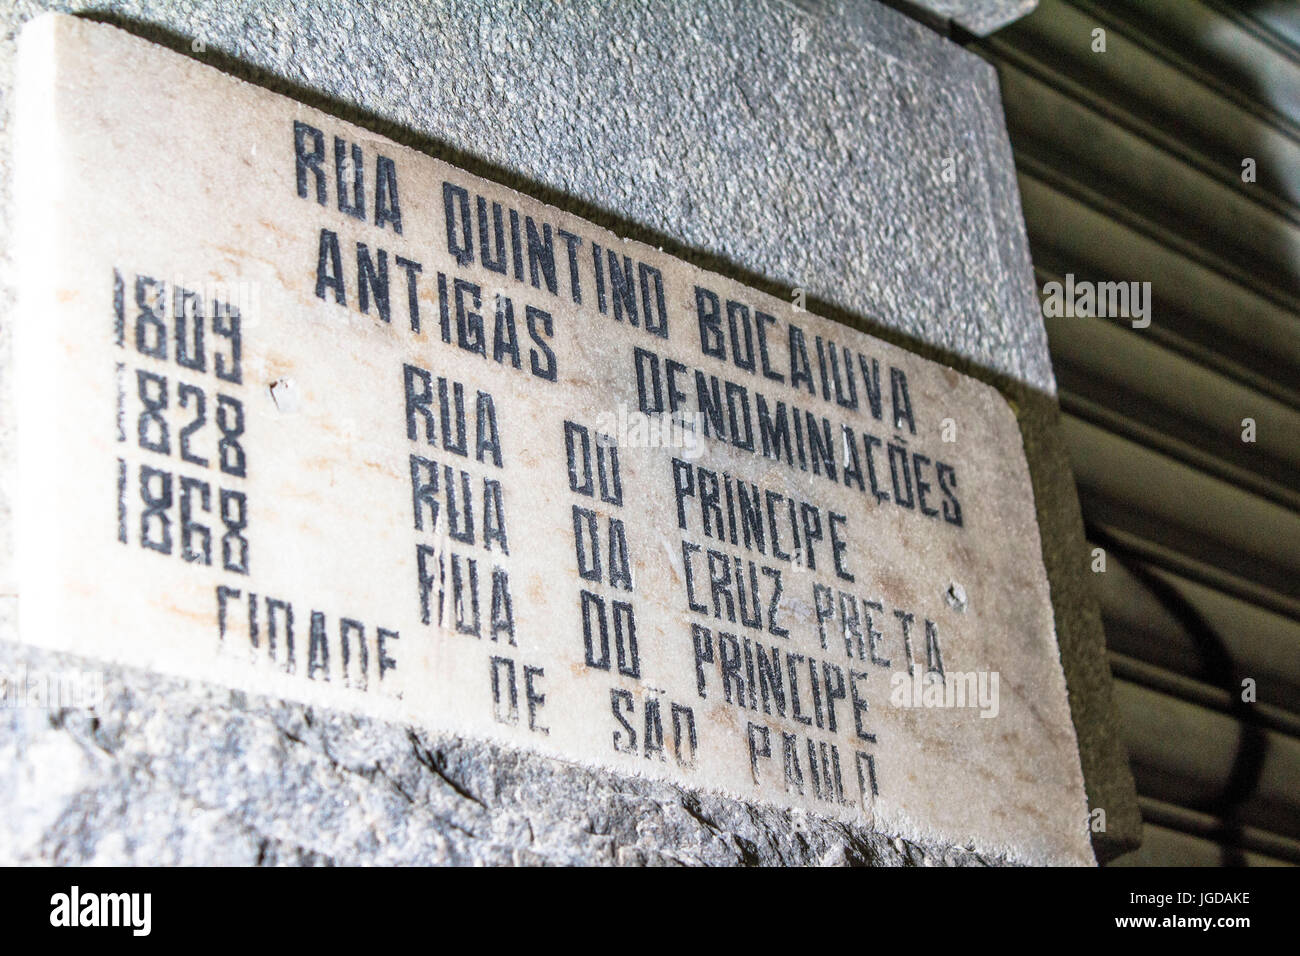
<point x="1130" y="168"/>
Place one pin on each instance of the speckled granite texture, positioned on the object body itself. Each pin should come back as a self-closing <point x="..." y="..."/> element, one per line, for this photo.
<point x="980" y="17"/>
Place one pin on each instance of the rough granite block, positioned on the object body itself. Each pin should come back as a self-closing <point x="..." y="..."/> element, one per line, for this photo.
<point x="980" y="17"/>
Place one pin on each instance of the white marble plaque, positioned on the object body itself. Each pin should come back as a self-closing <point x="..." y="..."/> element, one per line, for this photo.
<point x="308" y="413"/>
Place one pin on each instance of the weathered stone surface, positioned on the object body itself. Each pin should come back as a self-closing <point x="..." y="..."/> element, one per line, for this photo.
<point x="177" y="772"/>
<point x="577" y="138"/>
<point x="980" y="17"/>
<point x="533" y="549"/>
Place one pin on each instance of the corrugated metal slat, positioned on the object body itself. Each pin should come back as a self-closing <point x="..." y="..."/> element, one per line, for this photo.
<point x="1130" y="168"/>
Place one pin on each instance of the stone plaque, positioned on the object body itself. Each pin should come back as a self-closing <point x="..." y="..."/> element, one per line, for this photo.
<point x="308" y="413"/>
